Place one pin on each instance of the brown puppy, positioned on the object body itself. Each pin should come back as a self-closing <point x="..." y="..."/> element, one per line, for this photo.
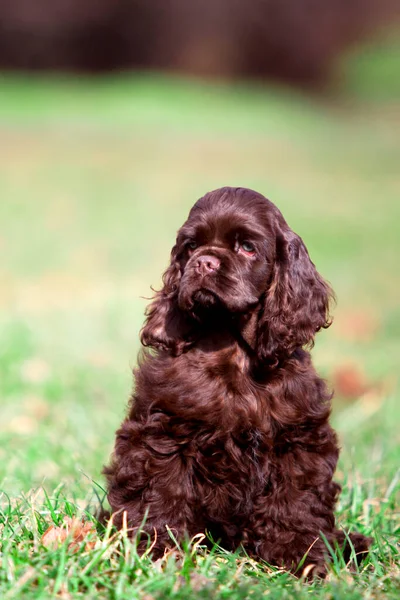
<point x="228" y="428"/>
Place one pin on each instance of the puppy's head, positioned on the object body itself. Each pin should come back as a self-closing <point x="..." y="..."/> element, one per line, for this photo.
<point x="224" y="252"/>
<point x="235" y="254"/>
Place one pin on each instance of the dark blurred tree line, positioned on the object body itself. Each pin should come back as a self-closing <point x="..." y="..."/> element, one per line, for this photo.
<point x="293" y="40"/>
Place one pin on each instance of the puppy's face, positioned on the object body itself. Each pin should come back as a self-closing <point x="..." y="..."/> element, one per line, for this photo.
<point x="236" y="253"/>
<point x="225" y="252"/>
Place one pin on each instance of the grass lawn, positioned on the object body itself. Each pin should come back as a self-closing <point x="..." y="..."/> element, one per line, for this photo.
<point x="95" y="179"/>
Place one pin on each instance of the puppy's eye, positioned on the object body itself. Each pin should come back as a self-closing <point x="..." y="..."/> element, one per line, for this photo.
<point x="192" y="245"/>
<point x="248" y="247"/>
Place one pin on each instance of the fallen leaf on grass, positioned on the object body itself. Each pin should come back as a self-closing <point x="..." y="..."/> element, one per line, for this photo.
<point x="74" y="529"/>
<point x="350" y="381"/>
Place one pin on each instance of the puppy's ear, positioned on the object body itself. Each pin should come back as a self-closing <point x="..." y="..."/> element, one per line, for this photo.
<point x="166" y="326"/>
<point x="296" y="303"/>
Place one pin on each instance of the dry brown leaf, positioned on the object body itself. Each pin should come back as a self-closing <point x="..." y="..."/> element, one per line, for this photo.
<point x="53" y="536"/>
<point x="350" y="381"/>
<point x="74" y="529"/>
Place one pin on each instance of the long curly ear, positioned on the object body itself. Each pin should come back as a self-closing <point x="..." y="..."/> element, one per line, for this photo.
<point x="166" y="326"/>
<point x="296" y="303"/>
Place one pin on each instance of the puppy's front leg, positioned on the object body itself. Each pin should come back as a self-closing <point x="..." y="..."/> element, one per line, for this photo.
<point x="149" y="486"/>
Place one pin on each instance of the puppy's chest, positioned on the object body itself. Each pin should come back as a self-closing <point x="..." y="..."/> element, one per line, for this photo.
<point x="209" y="399"/>
<point x="236" y="431"/>
<point x="236" y="450"/>
<point x="220" y="382"/>
<point x="227" y="473"/>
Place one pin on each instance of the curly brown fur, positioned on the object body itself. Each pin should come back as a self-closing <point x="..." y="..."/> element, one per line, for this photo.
<point x="228" y="428"/>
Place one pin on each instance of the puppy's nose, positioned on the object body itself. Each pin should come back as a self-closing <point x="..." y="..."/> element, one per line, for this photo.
<point x="207" y="264"/>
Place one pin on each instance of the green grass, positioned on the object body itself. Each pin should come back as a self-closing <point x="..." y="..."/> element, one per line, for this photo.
<point x="95" y="179"/>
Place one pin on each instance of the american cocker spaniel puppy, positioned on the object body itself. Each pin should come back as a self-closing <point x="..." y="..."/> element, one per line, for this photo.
<point x="228" y="427"/>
